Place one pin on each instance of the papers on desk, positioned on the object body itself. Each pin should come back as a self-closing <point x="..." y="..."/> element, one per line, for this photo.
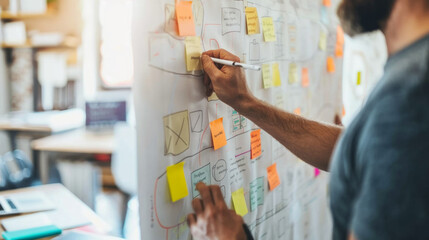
<point x="59" y="219"/>
<point x="25" y="203"/>
<point x="83" y="236"/>
<point x="55" y="121"/>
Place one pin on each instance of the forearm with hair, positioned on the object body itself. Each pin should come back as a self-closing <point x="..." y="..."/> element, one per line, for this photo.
<point x="311" y="141"/>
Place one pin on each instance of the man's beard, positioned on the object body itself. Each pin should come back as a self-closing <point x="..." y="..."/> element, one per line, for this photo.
<point x="362" y="16"/>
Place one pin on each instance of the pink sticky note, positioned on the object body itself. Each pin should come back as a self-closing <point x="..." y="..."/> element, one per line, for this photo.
<point x="316" y="172"/>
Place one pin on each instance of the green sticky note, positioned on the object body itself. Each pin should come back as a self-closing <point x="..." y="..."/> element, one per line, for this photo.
<point x="200" y="175"/>
<point x="267" y="75"/>
<point x="177" y="182"/>
<point x="277" y="82"/>
<point x="239" y="202"/>
<point x="256" y="193"/>
<point x="359" y="78"/>
<point x="293" y="73"/>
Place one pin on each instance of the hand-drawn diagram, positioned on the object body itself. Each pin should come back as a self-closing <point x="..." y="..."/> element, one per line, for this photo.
<point x="171" y="100"/>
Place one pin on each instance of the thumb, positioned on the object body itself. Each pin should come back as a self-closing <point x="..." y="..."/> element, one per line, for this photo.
<point x="210" y="68"/>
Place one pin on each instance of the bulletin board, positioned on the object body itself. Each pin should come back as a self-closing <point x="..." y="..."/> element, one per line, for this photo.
<point x="299" y="45"/>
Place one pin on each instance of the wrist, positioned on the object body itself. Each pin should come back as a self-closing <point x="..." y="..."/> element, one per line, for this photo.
<point x="244" y="103"/>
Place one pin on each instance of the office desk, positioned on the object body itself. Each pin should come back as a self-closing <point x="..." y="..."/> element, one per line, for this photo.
<point x="78" y="141"/>
<point x="65" y="202"/>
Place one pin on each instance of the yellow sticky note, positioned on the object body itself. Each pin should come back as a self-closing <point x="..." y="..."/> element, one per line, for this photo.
<point x="330" y="64"/>
<point x="323" y="41"/>
<point x="359" y="78"/>
<point x="218" y="133"/>
<point x="239" y="202"/>
<point x="277" y="82"/>
<point x="267" y="75"/>
<point x="193" y="52"/>
<point x="185" y="18"/>
<point x="305" y="77"/>
<point x="293" y="73"/>
<point x="252" y="20"/>
<point x="177" y="182"/>
<point x="268" y="29"/>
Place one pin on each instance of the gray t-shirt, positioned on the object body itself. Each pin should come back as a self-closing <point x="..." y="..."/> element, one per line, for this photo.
<point x="380" y="172"/>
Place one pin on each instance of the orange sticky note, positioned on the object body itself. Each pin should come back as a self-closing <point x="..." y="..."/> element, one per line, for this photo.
<point x="297" y="111"/>
<point x="218" y="133"/>
<point x="344" y="111"/>
<point x="273" y="176"/>
<point x="339" y="50"/>
<point x="340" y="35"/>
<point x="305" y="77"/>
<point x="330" y="64"/>
<point x="255" y="143"/>
<point x="327" y="3"/>
<point x="185" y="18"/>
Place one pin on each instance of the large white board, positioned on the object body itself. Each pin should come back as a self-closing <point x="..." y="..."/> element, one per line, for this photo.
<point x="298" y="208"/>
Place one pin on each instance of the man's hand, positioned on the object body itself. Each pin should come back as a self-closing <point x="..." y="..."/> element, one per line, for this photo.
<point x="212" y="218"/>
<point x="229" y="83"/>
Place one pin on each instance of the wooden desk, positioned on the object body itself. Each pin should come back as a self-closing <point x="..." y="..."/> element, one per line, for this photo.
<point x="78" y="141"/>
<point x="65" y="202"/>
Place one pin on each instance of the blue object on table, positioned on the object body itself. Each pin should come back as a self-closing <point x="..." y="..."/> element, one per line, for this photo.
<point x="32" y="233"/>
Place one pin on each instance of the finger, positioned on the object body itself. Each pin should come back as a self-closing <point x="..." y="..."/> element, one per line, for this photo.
<point x="222" y="54"/>
<point x="206" y="195"/>
<point x="217" y="197"/>
<point x="191" y="219"/>
<point x="197" y="205"/>
<point x="210" y="69"/>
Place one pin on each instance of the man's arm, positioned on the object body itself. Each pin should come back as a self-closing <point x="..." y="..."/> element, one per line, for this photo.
<point x="311" y="141"/>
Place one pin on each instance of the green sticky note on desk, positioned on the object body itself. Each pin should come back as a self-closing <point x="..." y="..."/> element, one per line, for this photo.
<point x="239" y="202"/>
<point x="177" y="182"/>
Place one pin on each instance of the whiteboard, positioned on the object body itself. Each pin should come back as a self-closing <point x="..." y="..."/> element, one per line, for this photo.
<point x="166" y="93"/>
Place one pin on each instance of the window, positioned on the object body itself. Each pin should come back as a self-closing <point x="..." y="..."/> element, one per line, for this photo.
<point x="116" y="56"/>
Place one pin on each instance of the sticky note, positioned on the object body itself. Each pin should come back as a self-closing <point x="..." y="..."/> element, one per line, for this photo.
<point x="324" y="15"/>
<point x="323" y="41"/>
<point x="293" y="73"/>
<point x="359" y="78"/>
<point x="239" y="202"/>
<point x="213" y="97"/>
<point x="193" y="52"/>
<point x="185" y="18"/>
<point x="218" y="133"/>
<point x="252" y="20"/>
<point x="268" y="29"/>
<point x="305" y="77"/>
<point x="277" y="82"/>
<point x="327" y="3"/>
<point x="316" y="172"/>
<point x="330" y="64"/>
<point x="339" y="50"/>
<point x="297" y="111"/>
<point x="177" y="182"/>
<point x="344" y="111"/>
<point x="256" y="193"/>
<point x="273" y="176"/>
<point x="340" y="35"/>
<point x="176" y="133"/>
<point x="255" y="143"/>
<point x="267" y="75"/>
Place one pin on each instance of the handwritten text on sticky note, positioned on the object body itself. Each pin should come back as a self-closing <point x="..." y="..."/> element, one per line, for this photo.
<point x="252" y="20"/>
<point x="218" y="133"/>
<point x="255" y="142"/>
<point x="239" y="202"/>
<point x="177" y="182"/>
<point x="193" y="52"/>
<point x="267" y="75"/>
<point x="273" y="176"/>
<point x="185" y="18"/>
<point x="268" y="29"/>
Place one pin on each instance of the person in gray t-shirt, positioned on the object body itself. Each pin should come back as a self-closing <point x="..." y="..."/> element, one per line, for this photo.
<point x="380" y="167"/>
